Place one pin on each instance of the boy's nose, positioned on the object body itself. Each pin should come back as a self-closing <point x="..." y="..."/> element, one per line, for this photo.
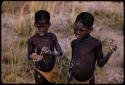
<point x="78" y="32"/>
<point x="41" y="29"/>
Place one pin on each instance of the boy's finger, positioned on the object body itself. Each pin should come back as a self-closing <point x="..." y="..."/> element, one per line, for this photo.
<point x="114" y="48"/>
<point x="34" y="54"/>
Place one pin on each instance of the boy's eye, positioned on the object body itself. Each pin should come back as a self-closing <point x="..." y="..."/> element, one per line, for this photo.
<point x="78" y="29"/>
<point x="42" y="26"/>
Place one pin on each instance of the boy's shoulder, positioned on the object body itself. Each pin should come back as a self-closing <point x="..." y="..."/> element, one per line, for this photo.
<point x="91" y="39"/>
<point x="73" y="41"/>
<point x="32" y="37"/>
<point x="96" y="41"/>
<point x="51" y="34"/>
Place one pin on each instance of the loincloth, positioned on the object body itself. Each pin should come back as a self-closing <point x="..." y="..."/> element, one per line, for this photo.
<point x="52" y="75"/>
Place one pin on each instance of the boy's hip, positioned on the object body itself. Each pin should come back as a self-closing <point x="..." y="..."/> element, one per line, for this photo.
<point x="75" y="81"/>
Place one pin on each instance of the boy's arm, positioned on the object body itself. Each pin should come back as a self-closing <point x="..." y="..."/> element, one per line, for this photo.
<point x="70" y="64"/>
<point x="57" y="47"/>
<point x="102" y="60"/>
<point x="30" y="49"/>
<point x="32" y="55"/>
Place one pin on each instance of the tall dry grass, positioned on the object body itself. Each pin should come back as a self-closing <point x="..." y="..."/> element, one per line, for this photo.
<point x="15" y="66"/>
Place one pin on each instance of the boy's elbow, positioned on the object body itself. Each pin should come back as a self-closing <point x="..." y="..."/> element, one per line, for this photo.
<point x="58" y="54"/>
<point x="101" y="64"/>
<point x="61" y="53"/>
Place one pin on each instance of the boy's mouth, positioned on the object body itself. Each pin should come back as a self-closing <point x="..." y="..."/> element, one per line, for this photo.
<point x="41" y="33"/>
<point x="77" y="35"/>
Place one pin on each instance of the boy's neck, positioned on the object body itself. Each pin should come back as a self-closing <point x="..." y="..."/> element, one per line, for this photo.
<point x="41" y="34"/>
<point x="85" y="37"/>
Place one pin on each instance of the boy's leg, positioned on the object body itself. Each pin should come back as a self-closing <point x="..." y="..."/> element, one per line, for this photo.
<point x="92" y="80"/>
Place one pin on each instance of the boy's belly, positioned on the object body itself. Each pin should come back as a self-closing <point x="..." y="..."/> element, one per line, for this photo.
<point x="83" y="69"/>
<point x="82" y="73"/>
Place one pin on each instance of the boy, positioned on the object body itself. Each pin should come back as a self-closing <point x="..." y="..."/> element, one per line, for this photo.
<point x="41" y="48"/>
<point x="86" y="50"/>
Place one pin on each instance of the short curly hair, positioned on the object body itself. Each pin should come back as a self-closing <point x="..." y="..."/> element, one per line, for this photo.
<point x="42" y="15"/>
<point x="86" y="19"/>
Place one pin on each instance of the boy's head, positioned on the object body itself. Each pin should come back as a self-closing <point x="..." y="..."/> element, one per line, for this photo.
<point x="42" y="21"/>
<point x="83" y="24"/>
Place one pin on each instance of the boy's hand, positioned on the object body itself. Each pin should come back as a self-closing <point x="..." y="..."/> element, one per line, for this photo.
<point x="112" y="47"/>
<point x="36" y="57"/>
<point x="45" y="50"/>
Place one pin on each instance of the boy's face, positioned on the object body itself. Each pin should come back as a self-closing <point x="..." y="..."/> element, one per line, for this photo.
<point x="42" y="28"/>
<point x="81" y="32"/>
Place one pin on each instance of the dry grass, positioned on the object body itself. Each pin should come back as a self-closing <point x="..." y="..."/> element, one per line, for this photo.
<point x="18" y="26"/>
